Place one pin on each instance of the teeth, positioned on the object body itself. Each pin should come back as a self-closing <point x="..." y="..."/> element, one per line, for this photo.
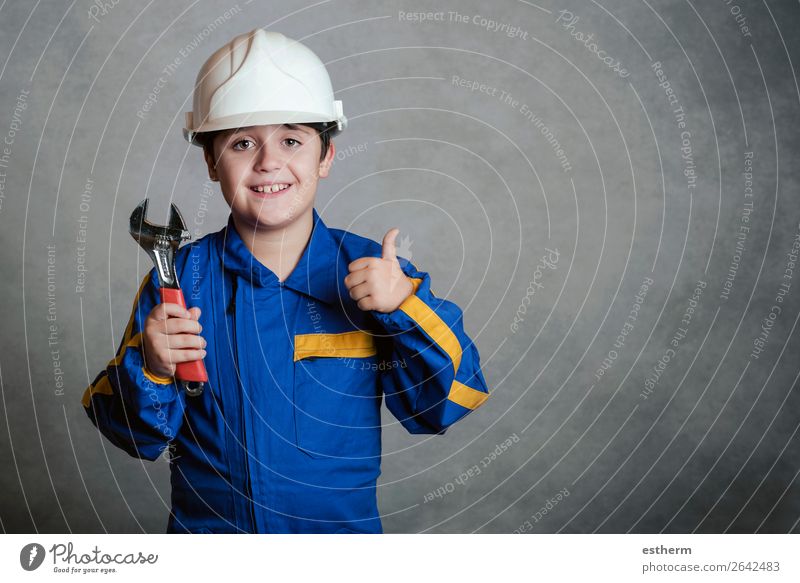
<point x="273" y="188"/>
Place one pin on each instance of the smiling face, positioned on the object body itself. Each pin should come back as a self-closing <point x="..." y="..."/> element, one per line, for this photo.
<point x="268" y="174"/>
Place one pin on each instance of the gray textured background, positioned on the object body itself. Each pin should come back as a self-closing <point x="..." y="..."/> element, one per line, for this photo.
<point x="477" y="188"/>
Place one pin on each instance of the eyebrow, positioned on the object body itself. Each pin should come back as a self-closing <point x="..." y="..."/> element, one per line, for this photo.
<point x="296" y="127"/>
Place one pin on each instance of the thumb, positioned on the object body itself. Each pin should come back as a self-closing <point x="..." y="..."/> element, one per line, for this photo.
<point x="389" y="251"/>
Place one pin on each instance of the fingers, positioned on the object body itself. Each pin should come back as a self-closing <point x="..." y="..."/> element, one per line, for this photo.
<point x="361" y="263"/>
<point x="356" y="278"/>
<point x="180" y="326"/>
<point x="389" y="251"/>
<point x="360" y="291"/>
<point x="170" y="318"/>
<point x="178" y="356"/>
<point x="164" y="364"/>
<point x="366" y="303"/>
<point x="172" y="336"/>
<point x="168" y="310"/>
<point x="162" y="356"/>
<point x="178" y="341"/>
<point x="172" y="347"/>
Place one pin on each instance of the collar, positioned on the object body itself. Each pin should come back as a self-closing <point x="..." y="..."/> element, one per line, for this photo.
<point x="314" y="274"/>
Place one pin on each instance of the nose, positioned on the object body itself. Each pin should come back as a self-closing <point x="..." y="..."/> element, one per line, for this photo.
<point x="268" y="157"/>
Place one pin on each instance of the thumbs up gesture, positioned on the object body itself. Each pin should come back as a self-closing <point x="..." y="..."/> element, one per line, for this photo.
<point x="378" y="283"/>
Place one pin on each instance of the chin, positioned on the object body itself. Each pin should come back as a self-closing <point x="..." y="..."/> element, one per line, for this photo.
<point x="275" y="219"/>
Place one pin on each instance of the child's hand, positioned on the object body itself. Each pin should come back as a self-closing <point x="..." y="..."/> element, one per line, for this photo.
<point x="378" y="283"/>
<point x="171" y="335"/>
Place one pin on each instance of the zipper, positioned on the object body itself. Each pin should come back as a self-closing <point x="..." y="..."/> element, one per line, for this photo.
<point x="239" y="374"/>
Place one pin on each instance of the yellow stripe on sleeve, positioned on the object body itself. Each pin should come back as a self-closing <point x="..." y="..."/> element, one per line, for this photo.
<point x="434" y="327"/>
<point x="442" y="335"/>
<point x="102" y="387"/>
<point x="466" y="396"/>
<point x="155" y="378"/>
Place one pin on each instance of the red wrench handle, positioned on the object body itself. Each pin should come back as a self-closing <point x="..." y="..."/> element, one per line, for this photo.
<point x="184" y="371"/>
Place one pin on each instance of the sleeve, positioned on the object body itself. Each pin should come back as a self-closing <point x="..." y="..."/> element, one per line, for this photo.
<point x="433" y="377"/>
<point x="136" y="410"/>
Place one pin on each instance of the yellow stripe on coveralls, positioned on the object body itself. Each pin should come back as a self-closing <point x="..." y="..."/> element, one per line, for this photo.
<point x="442" y="335"/>
<point x="103" y="386"/>
<point x="354" y="344"/>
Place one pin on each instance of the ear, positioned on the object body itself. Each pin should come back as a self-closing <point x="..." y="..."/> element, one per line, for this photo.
<point x="211" y="163"/>
<point x="327" y="161"/>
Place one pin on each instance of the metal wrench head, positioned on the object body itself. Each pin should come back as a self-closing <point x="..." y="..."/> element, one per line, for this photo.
<point x="160" y="242"/>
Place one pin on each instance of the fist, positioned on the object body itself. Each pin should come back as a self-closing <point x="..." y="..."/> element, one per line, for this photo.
<point x="171" y="335"/>
<point x="378" y="283"/>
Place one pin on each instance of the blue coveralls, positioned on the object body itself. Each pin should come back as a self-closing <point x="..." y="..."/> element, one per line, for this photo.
<point x="286" y="437"/>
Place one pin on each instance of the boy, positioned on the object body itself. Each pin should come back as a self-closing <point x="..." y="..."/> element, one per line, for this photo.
<point x="302" y="328"/>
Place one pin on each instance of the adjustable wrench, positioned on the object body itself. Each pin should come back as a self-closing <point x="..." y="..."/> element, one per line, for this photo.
<point x="161" y="244"/>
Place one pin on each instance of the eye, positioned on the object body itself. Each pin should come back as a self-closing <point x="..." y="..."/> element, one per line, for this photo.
<point x="292" y="140"/>
<point x="242" y="144"/>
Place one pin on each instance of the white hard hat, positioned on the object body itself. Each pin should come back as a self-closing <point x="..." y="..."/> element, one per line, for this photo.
<point x="262" y="78"/>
